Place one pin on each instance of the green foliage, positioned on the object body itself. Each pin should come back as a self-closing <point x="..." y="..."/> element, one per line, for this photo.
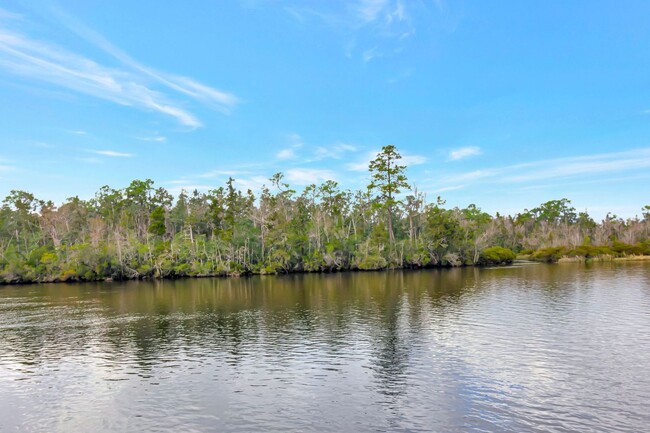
<point x="387" y="179"/>
<point x="141" y="232"/>
<point x="497" y="256"/>
<point x="372" y="262"/>
<point x="549" y="255"/>
<point x="555" y="211"/>
<point x="157" y="221"/>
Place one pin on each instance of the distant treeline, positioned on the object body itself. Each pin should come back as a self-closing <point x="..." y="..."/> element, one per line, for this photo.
<point x="142" y="232"/>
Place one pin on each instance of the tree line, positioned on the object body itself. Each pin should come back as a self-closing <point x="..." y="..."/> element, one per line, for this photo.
<point x="141" y="231"/>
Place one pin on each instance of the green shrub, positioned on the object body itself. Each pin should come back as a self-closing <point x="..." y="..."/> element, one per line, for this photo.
<point x="550" y="255"/>
<point x="496" y="256"/>
<point x="372" y="262"/>
<point x="623" y="249"/>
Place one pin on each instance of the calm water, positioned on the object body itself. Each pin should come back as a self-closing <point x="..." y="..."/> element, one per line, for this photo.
<point x="536" y="348"/>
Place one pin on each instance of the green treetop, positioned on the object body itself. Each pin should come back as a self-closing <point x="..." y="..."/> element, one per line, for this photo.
<point x="387" y="179"/>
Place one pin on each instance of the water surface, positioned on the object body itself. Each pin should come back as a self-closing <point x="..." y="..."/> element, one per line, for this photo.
<point x="536" y="348"/>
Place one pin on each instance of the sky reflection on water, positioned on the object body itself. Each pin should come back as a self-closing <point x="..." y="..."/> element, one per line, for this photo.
<point x="533" y="348"/>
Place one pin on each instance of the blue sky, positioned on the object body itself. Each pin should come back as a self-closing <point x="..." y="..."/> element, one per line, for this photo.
<point x="502" y="104"/>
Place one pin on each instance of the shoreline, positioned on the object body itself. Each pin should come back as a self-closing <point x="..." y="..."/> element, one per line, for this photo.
<point x="522" y="259"/>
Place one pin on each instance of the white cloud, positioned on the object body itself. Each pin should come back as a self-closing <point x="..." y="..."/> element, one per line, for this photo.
<point x="113" y="153"/>
<point x="585" y="182"/>
<point x="30" y="58"/>
<point x="449" y="188"/>
<point x="598" y="164"/>
<point x="398" y="13"/>
<point x="409" y="160"/>
<point x="575" y="167"/>
<point x="307" y="176"/>
<point x="222" y="173"/>
<point x="371" y="28"/>
<point x="44" y="62"/>
<point x="155" y="138"/>
<point x="370" y="10"/>
<point x="362" y="165"/>
<point x="254" y="183"/>
<point x="295" y="139"/>
<point x="464" y="152"/>
<point x="222" y="100"/>
<point x="290" y="152"/>
<point x="370" y="54"/>
<point x="335" y="151"/>
<point x="473" y="175"/>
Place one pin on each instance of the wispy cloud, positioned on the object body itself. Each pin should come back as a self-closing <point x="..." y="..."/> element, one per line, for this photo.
<point x="464" y="152"/>
<point x="218" y="98"/>
<point x="400" y="77"/>
<point x="6" y="15"/>
<point x="222" y="173"/>
<point x="370" y="54"/>
<point x="113" y="153"/>
<point x="588" y="181"/>
<point x="335" y="151"/>
<point x="580" y="166"/>
<point x="307" y="176"/>
<point x="41" y="61"/>
<point x="360" y="165"/>
<point x="254" y="183"/>
<point x="386" y="11"/>
<point x="365" y="23"/>
<point x="129" y="85"/>
<point x="474" y="175"/>
<point x="290" y="152"/>
<point x="369" y="10"/>
<point x="449" y="188"/>
<point x="410" y="160"/>
<point x="154" y="138"/>
<point x="576" y="167"/>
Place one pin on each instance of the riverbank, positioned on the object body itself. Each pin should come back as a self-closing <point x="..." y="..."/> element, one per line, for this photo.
<point x="583" y="259"/>
<point x="526" y="258"/>
<point x="603" y="258"/>
<point x="240" y="274"/>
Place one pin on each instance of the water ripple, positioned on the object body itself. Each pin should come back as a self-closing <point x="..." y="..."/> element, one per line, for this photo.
<point x="527" y="348"/>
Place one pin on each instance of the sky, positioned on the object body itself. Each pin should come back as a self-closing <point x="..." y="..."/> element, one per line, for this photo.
<point x="502" y="104"/>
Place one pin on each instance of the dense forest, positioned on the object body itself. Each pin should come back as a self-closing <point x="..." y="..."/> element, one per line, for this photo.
<point x="144" y="232"/>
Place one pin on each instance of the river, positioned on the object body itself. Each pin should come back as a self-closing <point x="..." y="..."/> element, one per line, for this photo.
<point x="526" y="348"/>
